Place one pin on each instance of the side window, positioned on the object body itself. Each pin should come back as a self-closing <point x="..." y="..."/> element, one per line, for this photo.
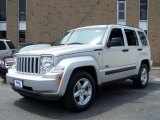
<point x="10" y="44"/>
<point x="2" y="45"/>
<point x="116" y="36"/>
<point x="131" y="37"/>
<point x="143" y="38"/>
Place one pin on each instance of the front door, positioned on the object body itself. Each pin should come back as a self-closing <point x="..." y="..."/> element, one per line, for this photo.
<point x="115" y="58"/>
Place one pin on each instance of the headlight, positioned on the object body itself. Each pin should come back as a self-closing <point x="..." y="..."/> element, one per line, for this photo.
<point x="2" y="63"/>
<point x="46" y="63"/>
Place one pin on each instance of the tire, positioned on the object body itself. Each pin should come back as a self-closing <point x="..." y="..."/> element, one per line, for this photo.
<point x="80" y="92"/>
<point x="141" y="80"/>
<point x="4" y="79"/>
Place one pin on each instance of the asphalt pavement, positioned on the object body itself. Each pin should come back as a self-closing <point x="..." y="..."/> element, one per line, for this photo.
<point x="115" y="101"/>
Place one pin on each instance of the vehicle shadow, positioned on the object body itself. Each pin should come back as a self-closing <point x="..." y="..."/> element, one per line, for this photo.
<point x="109" y="97"/>
<point x="2" y="80"/>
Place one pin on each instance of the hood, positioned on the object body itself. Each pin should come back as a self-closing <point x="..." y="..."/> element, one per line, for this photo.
<point x="62" y="50"/>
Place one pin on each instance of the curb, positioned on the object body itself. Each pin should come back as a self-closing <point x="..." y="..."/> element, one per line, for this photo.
<point x="155" y="68"/>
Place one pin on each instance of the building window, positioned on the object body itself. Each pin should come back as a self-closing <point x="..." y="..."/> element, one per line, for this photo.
<point x="22" y="37"/>
<point x="22" y="10"/>
<point x="2" y="10"/>
<point x="143" y="9"/>
<point x="121" y="10"/>
<point x="2" y="34"/>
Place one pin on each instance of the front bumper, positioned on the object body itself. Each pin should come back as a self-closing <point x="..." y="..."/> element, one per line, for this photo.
<point x="36" y="94"/>
<point x="35" y="85"/>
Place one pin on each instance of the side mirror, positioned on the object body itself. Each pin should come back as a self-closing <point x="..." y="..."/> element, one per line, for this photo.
<point x="118" y="41"/>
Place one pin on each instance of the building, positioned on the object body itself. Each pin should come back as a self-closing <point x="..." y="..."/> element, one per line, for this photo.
<point x="25" y="21"/>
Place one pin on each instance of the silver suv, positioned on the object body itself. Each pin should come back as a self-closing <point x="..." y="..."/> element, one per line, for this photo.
<point x="6" y="48"/>
<point x="80" y="61"/>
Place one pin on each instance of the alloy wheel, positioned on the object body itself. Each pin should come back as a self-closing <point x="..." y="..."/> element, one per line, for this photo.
<point x="82" y="91"/>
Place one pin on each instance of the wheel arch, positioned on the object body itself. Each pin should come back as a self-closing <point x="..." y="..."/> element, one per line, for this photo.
<point x="146" y="61"/>
<point x="86" y="63"/>
<point x="89" y="69"/>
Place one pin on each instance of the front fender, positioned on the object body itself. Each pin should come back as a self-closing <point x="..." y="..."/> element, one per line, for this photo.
<point x="72" y="63"/>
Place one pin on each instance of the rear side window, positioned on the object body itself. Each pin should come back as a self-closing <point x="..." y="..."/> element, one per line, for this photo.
<point x="143" y="38"/>
<point x="131" y="37"/>
<point x="10" y="44"/>
<point x="2" y="45"/>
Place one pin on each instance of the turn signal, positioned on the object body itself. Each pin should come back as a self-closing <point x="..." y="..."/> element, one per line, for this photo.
<point x="59" y="80"/>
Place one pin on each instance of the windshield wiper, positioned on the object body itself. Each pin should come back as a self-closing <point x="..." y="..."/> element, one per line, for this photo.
<point x="61" y="44"/>
<point x="74" y="43"/>
<point x="58" y="44"/>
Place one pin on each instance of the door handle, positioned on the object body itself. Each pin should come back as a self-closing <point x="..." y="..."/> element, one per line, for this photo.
<point x="139" y="49"/>
<point x="125" y="50"/>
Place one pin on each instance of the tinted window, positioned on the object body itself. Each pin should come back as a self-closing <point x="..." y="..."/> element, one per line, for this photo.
<point x="2" y="10"/>
<point x="2" y="45"/>
<point x="10" y="44"/>
<point x="116" y="33"/>
<point x="22" y="37"/>
<point x="143" y="9"/>
<point x="131" y="37"/>
<point x="145" y="31"/>
<point x="143" y="38"/>
<point x="2" y="34"/>
<point x="22" y="10"/>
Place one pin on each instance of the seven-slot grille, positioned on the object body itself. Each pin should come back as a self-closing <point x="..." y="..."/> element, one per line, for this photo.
<point x="28" y="64"/>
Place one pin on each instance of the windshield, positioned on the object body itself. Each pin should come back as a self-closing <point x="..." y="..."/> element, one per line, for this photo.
<point x="91" y="36"/>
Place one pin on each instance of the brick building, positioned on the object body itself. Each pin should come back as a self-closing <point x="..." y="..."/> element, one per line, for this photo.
<point x="25" y="21"/>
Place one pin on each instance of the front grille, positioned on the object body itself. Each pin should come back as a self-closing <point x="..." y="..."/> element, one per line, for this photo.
<point x="28" y="64"/>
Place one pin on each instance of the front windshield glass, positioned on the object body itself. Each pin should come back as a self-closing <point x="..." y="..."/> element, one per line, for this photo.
<point x="91" y="36"/>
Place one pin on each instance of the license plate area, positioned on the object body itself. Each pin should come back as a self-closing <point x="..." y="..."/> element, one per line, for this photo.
<point x="18" y="83"/>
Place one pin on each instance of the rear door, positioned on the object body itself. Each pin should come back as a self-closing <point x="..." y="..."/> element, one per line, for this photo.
<point x="115" y="58"/>
<point x="134" y="49"/>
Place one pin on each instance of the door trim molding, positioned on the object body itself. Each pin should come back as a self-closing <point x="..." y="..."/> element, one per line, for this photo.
<point x="119" y="70"/>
